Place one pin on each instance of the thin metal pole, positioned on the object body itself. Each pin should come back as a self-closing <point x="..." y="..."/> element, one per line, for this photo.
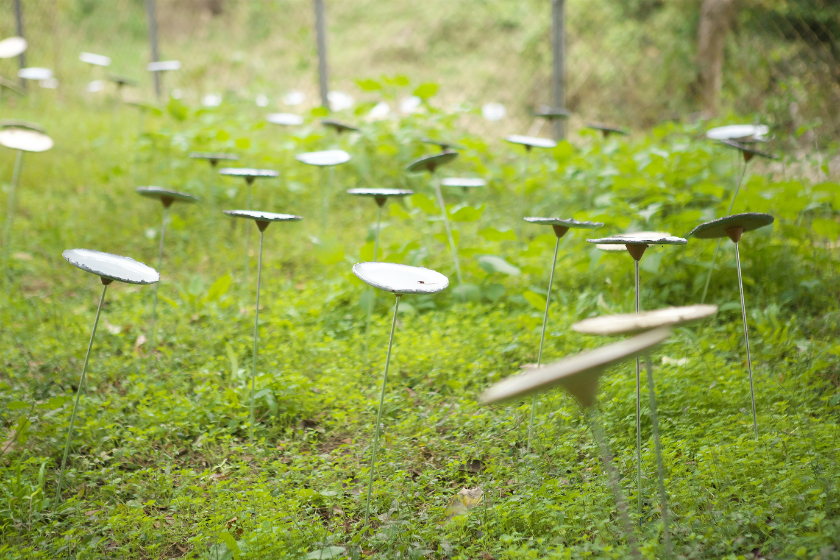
<point x="321" y="37"/>
<point x="157" y="287"/>
<point x="78" y="394"/>
<point x="325" y="211"/>
<point x="379" y="412"/>
<point x="660" y="469"/>
<point x="558" y="50"/>
<point x="542" y="339"/>
<point x="10" y="210"/>
<point x="21" y="56"/>
<point x="621" y="503"/>
<point x="746" y="338"/>
<point x="248" y="233"/>
<point x="717" y="247"/>
<point x="370" y="290"/>
<point x="153" y="41"/>
<point x="376" y="236"/>
<point x="638" y="410"/>
<point x="452" y="247"/>
<point x="256" y="335"/>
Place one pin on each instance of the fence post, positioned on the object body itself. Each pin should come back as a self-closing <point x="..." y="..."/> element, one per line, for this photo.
<point x="22" y="57"/>
<point x="321" y="33"/>
<point x="153" y="41"/>
<point x="558" y="51"/>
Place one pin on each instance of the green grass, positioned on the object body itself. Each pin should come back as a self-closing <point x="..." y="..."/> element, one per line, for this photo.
<point x="161" y="466"/>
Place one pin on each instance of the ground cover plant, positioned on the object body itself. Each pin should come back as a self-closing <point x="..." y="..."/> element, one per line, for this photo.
<point x="161" y="464"/>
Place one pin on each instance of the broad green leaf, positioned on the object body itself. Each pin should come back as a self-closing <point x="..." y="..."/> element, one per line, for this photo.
<point x="494" y="292"/>
<point x="219" y="288"/>
<point x="17" y="405"/>
<point x="368" y="85"/>
<point x="325" y="553"/>
<point x="427" y="90"/>
<point x="493" y="234"/>
<point x="492" y="263"/>
<point x="231" y="543"/>
<point x="826" y="228"/>
<point x="537" y="300"/>
<point x="467" y="292"/>
<point x="424" y="203"/>
<point x="467" y="214"/>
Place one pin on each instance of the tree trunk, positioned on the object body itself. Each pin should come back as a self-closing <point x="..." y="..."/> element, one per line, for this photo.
<point x="715" y="20"/>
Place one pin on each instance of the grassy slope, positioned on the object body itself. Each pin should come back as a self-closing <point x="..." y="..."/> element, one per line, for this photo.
<point x="161" y="466"/>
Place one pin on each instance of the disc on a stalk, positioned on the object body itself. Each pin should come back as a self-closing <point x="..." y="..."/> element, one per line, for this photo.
<point x="34" y="73"/>
<point x="164" y="66"/>
<point x="531" y="141"/>
<point x="578" y="374"/>
<point x="95" y="59"/>
<point x="284" y="119"/>
<point x="121" y="80"/>
<point x="748" y="151"/>
<point x="552" y="113"/>
<point x="112" y="267"/>
<point x="639" y="238"/>
<point x="401" y="278"/>
<point x="339" y="126"/>
<point x="16" y="123"/>
<point x="165" y="195"/>
<point x="213" y="157"/>
<point x="258" y="216"/>
<point x="748" y="221"/>
<point x="387" y="193"/>
<point x="569" y="223"/>
<point x="247" y="172"/>
<point x="607" y="129"/>
<point x="432" y="162"/>
<point x="741" y="132"/>
<point x="633" y="323"/>
<point x="325" y="158"/>
<point x="12" y="47"/>
<point x="464" y="182"/>
<point x="442" y="144"/>
<point x="25" y="139"/>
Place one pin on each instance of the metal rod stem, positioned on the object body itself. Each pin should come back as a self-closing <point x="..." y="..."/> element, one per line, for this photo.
<point x="660" y="469"/>
<point x="321" y="38"/>
<point x="379" y="412"/>
<point x="78" y="394"/>
<point x="621" y="503"/>
<point x="10" y="210"/>
<point x="370" y="290"/>
<point x="153" y="41"/>
<point x="558" y="50"/>
<point x="20" y="32"/>
<point x="256" y="336"/>
<point x="638" y="411"/>
<point x="452" y="247"/>
<point x="717" y="247"/>
<point x="376" y="235"/>
<point x="746" y="337"/>
<point x="247" y="233"/>
<point x="542" y="339"/>
<point x="325" y="212"/>
<point x="157" y="287"/>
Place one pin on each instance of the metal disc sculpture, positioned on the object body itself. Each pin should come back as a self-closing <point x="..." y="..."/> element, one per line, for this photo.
<point x="323" y="159"/>
<point x="744" y="133"/>
<point x="579" y="376"/>
<point x="284" y="119"/>
<point x="23" y="137"/>
<point x="263" y="220"/>
<point x="430" y="164"/>
<point x="733" y="227"/>
<point x="630" y="324"/>
<point x="552" y="113"/>
<point x="250" y="175"/>
<point x="338" y="126"/>
<point x="530" y="141"/>
<point x="160" y="67"/>
<point x="95" y="59"/>
<point x="561" y="227"/>
<point x="399" y="279"/>
<point x="121" y="81"/>
<point x="213" y="158"/>
<point x="463" y="182"/>
<point x="35" y="74"/>
<point x="445" y="146"/>
<point x="109" y="268"/>
<point x="636" y="244"/>
<point x="758" y="134"/>
<point x="166" y="198"/>
<point x="12" y="47"/>
<point x="607" y="129"/>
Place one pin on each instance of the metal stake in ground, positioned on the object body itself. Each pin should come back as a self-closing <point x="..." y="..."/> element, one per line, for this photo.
<point x="399" y="279"/>
<point x="23" y="137"/>
<point x="263" y="219"/>
<point x="109" y="268"/>
<point x="579" y="376"/>
<point x="561" y="227"/>
<point x="733" y="227"/>
<point x="326" y="158"/>
<point x="638" y="323"/>
<point x="607" y="129"/>
<point x="166" y="197"/>
<point x="213" y="158"/>
<point x="636" y="244"/>
<point x="430" y="164"/>
<point x="158" y="68"/>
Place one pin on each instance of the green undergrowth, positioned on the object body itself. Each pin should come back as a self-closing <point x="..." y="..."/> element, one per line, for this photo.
<point x="161" y="465"/>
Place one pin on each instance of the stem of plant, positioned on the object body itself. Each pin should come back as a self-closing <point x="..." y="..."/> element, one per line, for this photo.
<point x="542" y="340"/>
<point x="379" y="412"/>
<point x="612" y="475"/>
<point x="638" y="410"/>
<point x="10" y="209"/>
<point x="660" y="469"/>
<point x="256" y="331"/>
<point x="452" y="247"/>
<point x="157" y="287"/>
<point x="79" y="393"/>
<point x="746" y="338"/>
<point x="717" y="247"/>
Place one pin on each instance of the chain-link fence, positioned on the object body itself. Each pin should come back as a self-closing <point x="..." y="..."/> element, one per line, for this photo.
<point x="630" y="62"/>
